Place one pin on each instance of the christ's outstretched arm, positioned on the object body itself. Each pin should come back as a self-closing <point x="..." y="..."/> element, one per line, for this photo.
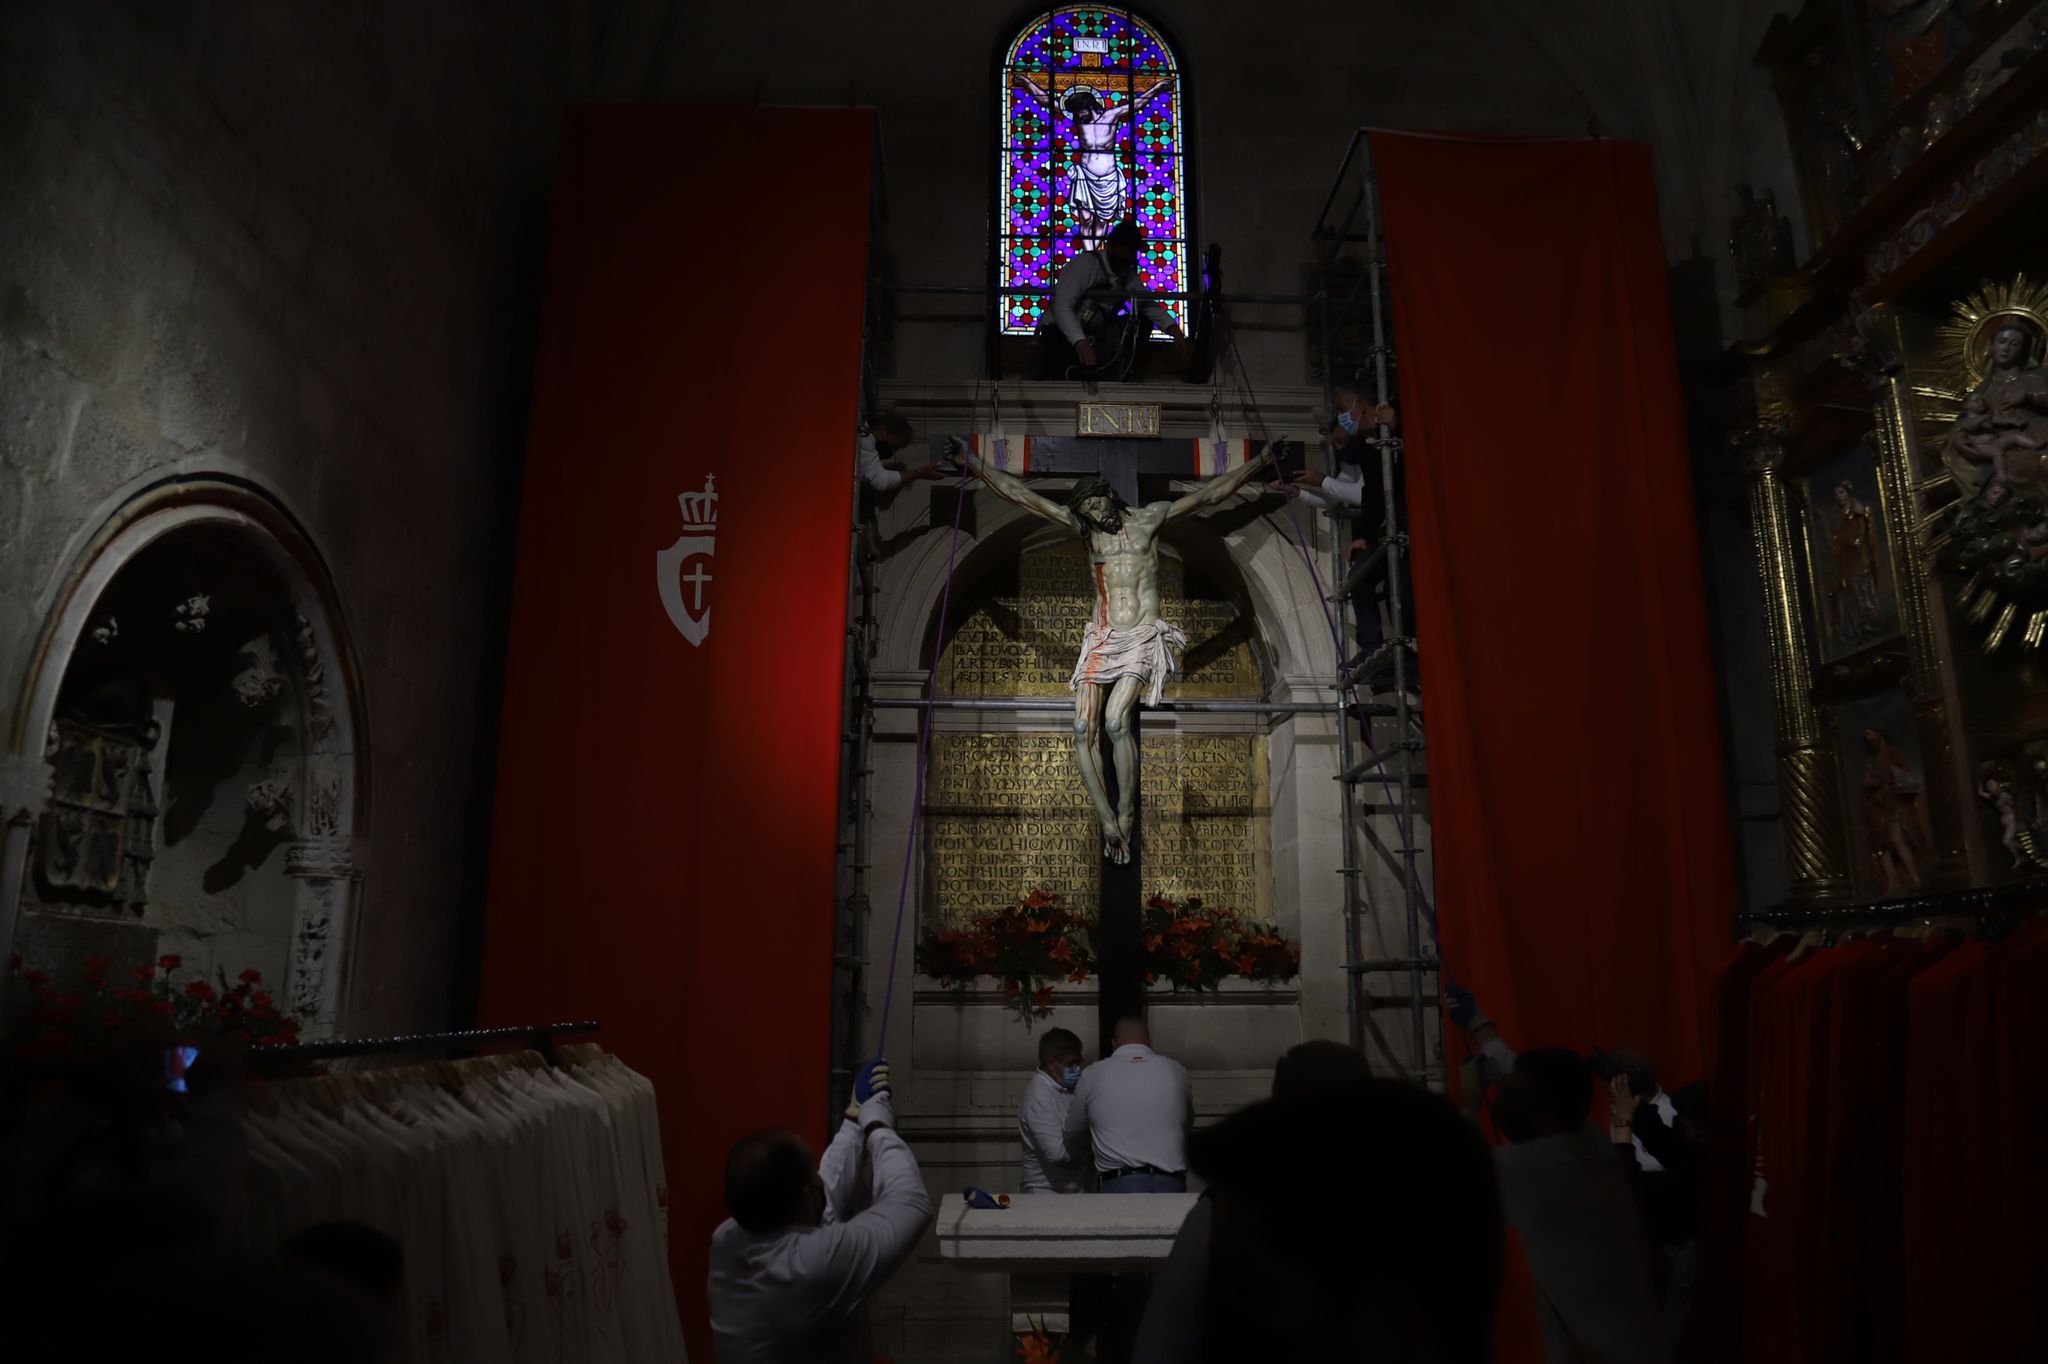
<point x="1137" y="106"/>
<point x="1043" y="93"/>
<point x="1011" y="488"/>
<point x="1219" y="490"/>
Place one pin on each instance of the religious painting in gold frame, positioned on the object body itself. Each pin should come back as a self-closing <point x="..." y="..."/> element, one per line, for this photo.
<point x="1851" y="569"/>
<point x="1891" y="835"/>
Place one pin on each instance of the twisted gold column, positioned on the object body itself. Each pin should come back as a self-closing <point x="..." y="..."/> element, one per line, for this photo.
<point x="1809" y="769"/>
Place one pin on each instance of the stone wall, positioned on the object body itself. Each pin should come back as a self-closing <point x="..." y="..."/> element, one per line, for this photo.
<point x="299" y="245"/>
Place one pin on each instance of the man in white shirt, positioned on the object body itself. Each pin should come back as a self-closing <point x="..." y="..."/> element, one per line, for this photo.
<point x="1134" y="1108"/>
<point x="1097" y="328"/>
<point x="882" y="438"/>
<point x="794" y="1267"/>
<point x="1050" y="1166"/>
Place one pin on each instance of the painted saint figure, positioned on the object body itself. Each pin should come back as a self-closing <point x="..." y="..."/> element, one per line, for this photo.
<point x="1098" y="189"/>
<point x="1856" y="587"/>
<point x="1127" y="650"/>
<point x="1893" y="815"/>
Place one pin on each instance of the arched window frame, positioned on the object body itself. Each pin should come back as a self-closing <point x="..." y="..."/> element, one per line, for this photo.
<point x="1171" y="263"/>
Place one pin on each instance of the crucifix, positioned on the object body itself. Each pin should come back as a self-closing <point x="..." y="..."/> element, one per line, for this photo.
<point x="1127" y="650"/>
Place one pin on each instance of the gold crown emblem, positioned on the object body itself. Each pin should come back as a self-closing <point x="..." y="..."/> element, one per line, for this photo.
<point x="700" y="510"/>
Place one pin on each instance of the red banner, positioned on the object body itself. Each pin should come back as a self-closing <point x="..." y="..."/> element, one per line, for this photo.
<point x="1579" y="814"/>
<point x="663" y="853"/>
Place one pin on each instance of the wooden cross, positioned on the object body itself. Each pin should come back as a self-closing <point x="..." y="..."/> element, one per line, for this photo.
<point x="1119" y="959"/>
<point x="1122" y="462"/>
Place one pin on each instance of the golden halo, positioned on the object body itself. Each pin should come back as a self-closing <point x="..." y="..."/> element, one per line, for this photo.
<point x="1964" y="341"/>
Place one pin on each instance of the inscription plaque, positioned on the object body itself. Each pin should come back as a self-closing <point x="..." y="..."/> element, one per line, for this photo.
<point x="1005" y="812"/>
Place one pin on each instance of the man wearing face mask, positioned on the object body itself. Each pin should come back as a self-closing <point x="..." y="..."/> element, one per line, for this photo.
<point x="1049" y="1167"/>
<point x="793" y="1269"/>
<point x="883" y="438"/>
<point x="1357" y="481"/>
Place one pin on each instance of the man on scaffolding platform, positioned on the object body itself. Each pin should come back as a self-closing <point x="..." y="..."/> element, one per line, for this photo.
<point x="1098" y="327"/>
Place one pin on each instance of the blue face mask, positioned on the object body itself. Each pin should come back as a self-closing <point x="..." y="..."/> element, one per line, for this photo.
<point x="1071" y="1076"/>
<point x="1349" y="421"/>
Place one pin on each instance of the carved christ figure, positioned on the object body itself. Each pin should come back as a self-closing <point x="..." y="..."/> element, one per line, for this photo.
<point x="1126" y="650"/>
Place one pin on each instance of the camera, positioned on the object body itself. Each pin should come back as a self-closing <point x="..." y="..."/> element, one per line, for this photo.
<point x="1289" y="458"/>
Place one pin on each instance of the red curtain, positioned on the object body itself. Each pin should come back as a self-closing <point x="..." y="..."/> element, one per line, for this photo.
<point x="1583" y="859"/>
<point x="667" y="791"/>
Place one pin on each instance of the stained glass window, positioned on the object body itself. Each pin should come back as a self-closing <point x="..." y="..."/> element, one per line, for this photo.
<point x="1091" y="135"/>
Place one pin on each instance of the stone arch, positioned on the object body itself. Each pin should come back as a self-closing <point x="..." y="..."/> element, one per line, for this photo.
<point x="319" y="803"/>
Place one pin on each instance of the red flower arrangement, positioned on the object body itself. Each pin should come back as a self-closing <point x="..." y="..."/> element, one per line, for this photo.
<point x="1193" y="947"/>
<point x="155" y="1010"/>
<point x="1027" y="946"/>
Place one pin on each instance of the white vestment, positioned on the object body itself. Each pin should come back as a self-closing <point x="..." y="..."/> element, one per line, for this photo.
<point x="1148" y="652"/>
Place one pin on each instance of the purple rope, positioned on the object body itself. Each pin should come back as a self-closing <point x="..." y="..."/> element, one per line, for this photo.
<point x="924" y="751"/>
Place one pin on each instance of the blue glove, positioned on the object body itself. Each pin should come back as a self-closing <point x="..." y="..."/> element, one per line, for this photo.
<point x="872" y="1079"/>
<point x="1460" y="1006"/>
<point x="982" y="1198"/>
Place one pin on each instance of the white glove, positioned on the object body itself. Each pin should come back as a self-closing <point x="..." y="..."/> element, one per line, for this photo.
<point x="877" y="1109"/>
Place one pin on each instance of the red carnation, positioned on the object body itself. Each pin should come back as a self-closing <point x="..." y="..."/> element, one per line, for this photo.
<point x="160" y="1007"/>
<point x="36" y="977"/>
<point x="170" y="961"/>
<point x="260" y="1002"/>
<point x="110" y="1019"/>
<point x="251" y="976"/>
<point x="199" y="990"/>
<point x="143" y="973"/>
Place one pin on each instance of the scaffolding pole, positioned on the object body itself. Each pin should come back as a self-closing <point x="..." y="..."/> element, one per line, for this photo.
<point x="1388" y="559"/>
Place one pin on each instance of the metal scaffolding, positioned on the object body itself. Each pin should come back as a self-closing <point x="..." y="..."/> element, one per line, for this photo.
<point x="1349" y="288"/>
<point x="1338" y="242"/>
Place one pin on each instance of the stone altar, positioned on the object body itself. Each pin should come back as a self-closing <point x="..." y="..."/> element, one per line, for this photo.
<point x="1042" y="1239"/>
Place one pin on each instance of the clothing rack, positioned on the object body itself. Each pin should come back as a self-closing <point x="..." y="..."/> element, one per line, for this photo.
<point x="540" y="1036"/>
<point x="1995" y="902"/>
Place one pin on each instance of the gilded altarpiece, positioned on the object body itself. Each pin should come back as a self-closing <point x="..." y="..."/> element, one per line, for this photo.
<point x="1004" y="808"/>
<point x="1891" y="403"/>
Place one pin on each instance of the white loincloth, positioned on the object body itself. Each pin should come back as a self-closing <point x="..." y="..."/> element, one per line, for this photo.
<point x="1148" y="652"/>
<point x="1100" y="193"/>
